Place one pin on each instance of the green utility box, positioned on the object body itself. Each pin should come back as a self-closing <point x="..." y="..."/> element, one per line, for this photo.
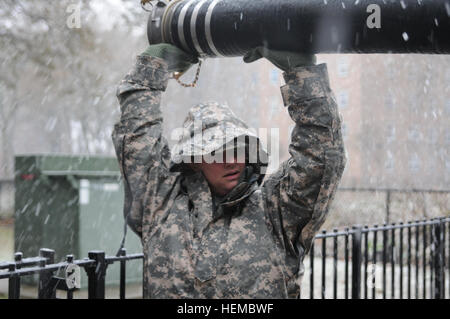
<point x="72" y="204"/>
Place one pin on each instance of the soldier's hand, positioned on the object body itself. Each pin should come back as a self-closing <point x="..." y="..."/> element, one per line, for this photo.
<point x="177" y="59"/>
<point x="285" y="60"/>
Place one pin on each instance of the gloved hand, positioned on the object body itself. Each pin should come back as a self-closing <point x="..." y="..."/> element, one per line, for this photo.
<point x="285" y="60"/>
<point x="177" y="59"/>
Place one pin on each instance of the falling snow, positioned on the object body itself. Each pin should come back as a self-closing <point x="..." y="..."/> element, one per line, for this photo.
<point x="405" y="36"/>
<point x="58" y="96"/>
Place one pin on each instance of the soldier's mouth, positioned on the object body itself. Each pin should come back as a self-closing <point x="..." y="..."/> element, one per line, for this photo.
<point x="232" y="175"/>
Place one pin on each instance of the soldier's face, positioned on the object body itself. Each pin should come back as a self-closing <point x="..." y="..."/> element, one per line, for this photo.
<point x="223" y="177"/>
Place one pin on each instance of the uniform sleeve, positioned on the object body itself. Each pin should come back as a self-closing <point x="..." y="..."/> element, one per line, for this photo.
<point x="142" y="152"/>
<point x="299" y="194"/>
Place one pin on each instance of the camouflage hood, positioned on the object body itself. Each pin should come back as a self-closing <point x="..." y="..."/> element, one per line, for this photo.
<point x="212" y="128"/>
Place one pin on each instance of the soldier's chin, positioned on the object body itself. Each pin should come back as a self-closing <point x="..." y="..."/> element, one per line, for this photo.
<point x="231" y="184"/>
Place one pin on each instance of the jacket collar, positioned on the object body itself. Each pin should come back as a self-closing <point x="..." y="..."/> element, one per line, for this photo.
<point x="200" y="195"/>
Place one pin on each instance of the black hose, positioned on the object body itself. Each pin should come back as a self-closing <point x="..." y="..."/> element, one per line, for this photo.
<point x="233" y="27"/>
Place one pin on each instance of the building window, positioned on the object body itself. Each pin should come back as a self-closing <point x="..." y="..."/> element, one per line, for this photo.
<point x="390" y="134"/>
<point x="389" y="101"/>
<point x="342" y="99"/>
<point x="433" y="135"/>
<point x="414" y="163"/>
<point x="275" y="107"/>
<point x="275" y="77"/>
<point x="344" y="130"/>
<point x="390" y="161"/>
<point x="342" y="67"/>
<point x="414" y="134"/>
<point x="254" y="79"/>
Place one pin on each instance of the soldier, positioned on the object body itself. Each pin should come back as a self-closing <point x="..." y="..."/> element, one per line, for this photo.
<point x="216" y="230"/>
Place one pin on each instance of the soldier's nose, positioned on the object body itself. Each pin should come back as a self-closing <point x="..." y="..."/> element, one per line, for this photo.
<point x="230" y="159"/>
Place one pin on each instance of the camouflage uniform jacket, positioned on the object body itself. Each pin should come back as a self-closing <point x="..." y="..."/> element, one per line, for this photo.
<point x="255" y="251"/>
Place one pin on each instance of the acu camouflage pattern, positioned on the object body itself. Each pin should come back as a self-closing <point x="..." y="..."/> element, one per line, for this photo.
<point x="212" y="127"/>
<point x="254" y="245"/>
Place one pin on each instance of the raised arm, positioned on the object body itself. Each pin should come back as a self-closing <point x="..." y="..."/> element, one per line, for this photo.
<point x="305" y="185"/>
<point x="142" y="151"/>
<point x="137" y="136"/>
<point x="299" y="194"/>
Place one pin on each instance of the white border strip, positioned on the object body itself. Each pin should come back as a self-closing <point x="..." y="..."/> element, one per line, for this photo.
<point x="193" y="26"/>
<point x="181" y="22"/>
<point x="208" y="28"/>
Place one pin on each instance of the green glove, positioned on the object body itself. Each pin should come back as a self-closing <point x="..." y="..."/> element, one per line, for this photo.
<point x="177" y="59"/>
<point x="284" y="60"/>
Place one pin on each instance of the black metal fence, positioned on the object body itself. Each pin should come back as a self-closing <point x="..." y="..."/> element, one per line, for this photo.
<point x="404" y="260"/>
<point x="395" y="261"/>
<point x="95" y="266"/>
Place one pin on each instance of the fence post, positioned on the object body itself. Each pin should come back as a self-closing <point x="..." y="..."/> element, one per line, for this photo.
<point x="123" y="252"/>
<point x="13" y="284"/>
<point x="45" y="290"/>
<point x="438" y="260"/>
<point x="14" y="281"/>
<point x="96" y="275"/>
<point x="356" y="262"/>
<point x="388" y="205"/>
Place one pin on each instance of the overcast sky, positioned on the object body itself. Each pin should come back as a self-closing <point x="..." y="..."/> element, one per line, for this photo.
<point x="111" y="12"/>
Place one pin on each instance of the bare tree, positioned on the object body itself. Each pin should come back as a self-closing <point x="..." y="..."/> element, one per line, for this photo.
<point x="54" y="76"/>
